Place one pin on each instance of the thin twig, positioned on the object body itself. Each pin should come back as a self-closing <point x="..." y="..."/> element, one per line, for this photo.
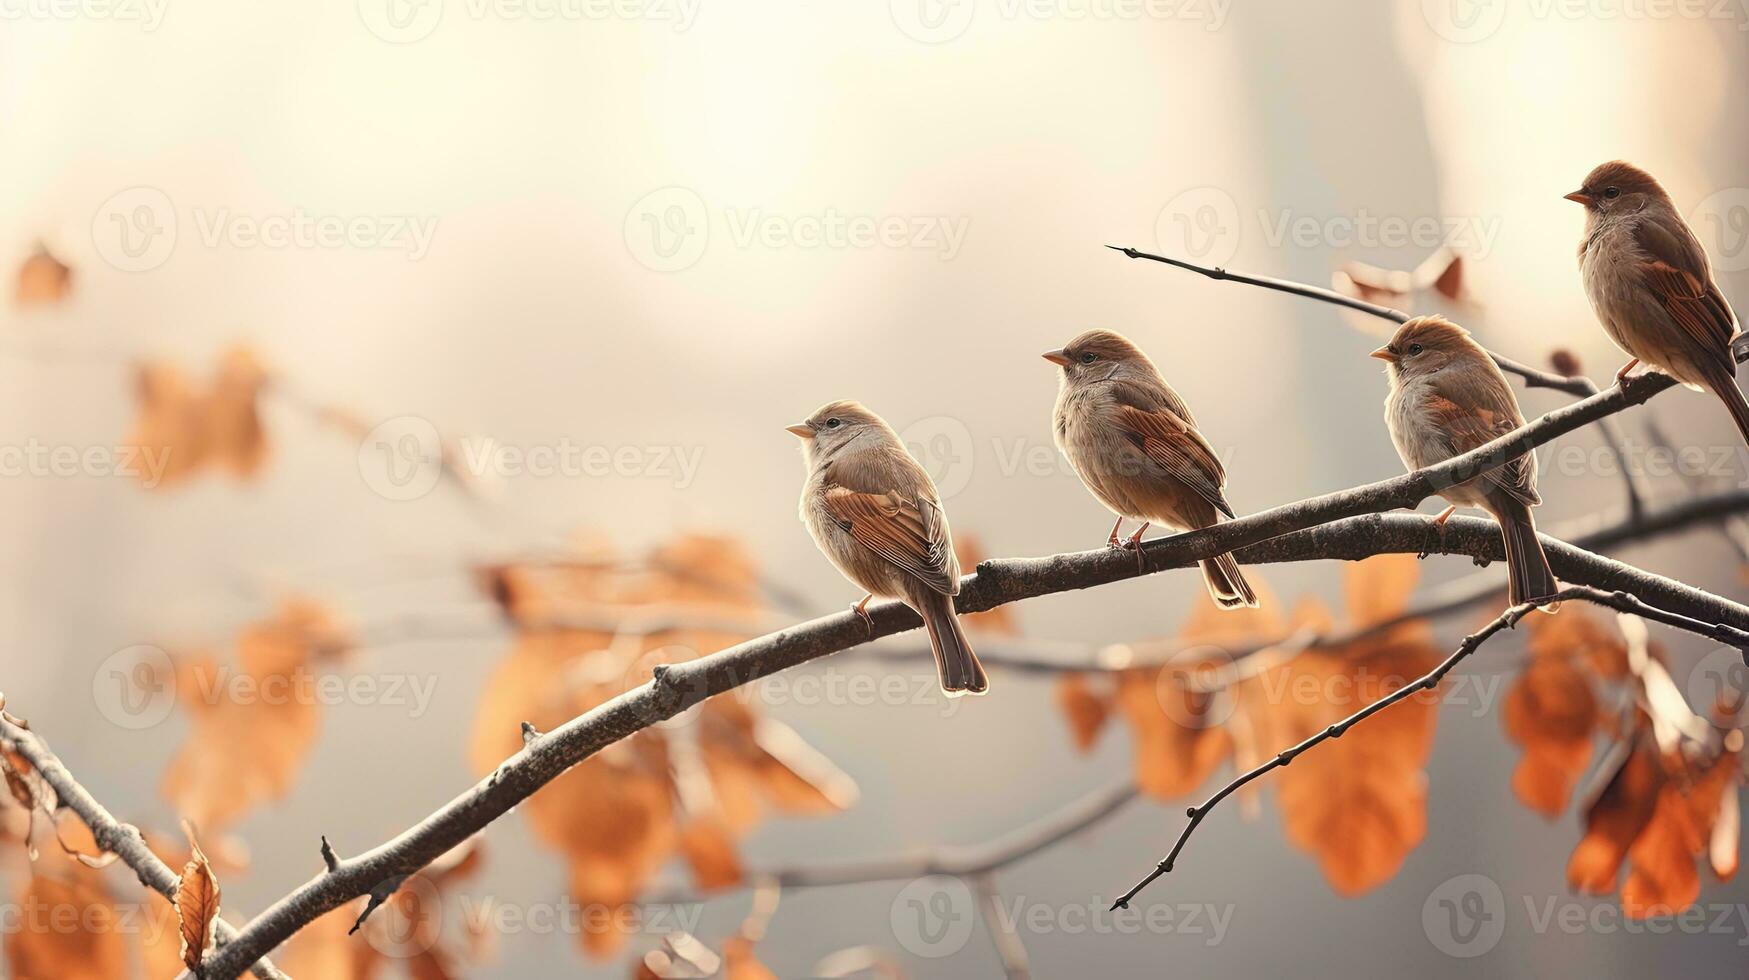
<point x="1506" y="620"/>
<point x="1004" y="935"/>
<point x="1579" y="387"/>
<point x="121" y="839"/>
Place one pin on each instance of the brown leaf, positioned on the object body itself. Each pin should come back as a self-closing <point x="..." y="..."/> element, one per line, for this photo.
<point x="197" y="904"/>
<point x="1086" y="711"/>
<point x="1552" y="711"/>
<point x="739" y="963"/>
<point x="187" y="430"/>
<point x="1378" y="588"/>
<point x="41" y="947"/>
<point x="1359" y="804"/>
<point x="709" y="847"/>
<point x="1178" y="739"/>
<point x="1615" y="819"/>
<point x="42" y="280"/>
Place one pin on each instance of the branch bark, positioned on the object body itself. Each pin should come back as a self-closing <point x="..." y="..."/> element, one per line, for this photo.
<point x="1347" y="524"/>
<point x="121" y="839"/>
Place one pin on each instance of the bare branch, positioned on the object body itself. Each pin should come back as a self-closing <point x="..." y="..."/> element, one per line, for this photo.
<point x="1003" y="933"/>
<point x="121" y="839"/>
<point x="1506" y="620"/>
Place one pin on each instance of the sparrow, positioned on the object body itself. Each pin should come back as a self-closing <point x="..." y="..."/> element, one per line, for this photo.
<point x="1652" y="285"/>
<point x="876" y="515"/>
<point x="1135" y="445"/>
<point x="1448" y="397"/>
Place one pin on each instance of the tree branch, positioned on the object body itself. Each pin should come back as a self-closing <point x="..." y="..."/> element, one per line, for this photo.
<point x="1296" y="536"/>
<point x="121" y="839"/>
<point x="1506" y="620"/>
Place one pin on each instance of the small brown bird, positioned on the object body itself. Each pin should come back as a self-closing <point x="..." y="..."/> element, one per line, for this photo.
<point x="1135" y="445"/>
<point x="1652" y="285"/>
<point x="875" y="513"/>
<point x="1447" y="398"/>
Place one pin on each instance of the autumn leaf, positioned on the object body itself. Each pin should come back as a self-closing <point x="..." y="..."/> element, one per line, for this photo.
<point x="197" y="904"/>
<point x="1616" y="817"/>
<point x="188" y="430"/>
<point x="36" y="949"/>
<point x="42" y="280"/>
<point x="1086" y="711"/>
<point x="244" y="751"/>
<point x="1552" y="711"/>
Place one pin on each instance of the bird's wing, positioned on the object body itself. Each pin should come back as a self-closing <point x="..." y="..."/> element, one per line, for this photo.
<point x="908" y="530"/>
<point x="1158" y="424"/>
<point x="1676" y="272"/>
<point x="1473" y="415"/>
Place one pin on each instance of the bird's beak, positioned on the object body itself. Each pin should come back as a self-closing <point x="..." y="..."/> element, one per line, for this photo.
<point x="1580" y="197"/>
<point x="1385" y="354"/>
<point x="1057" y="357"/>
<point x="800" y="429"/>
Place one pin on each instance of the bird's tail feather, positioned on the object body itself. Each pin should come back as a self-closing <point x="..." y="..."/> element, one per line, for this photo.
<point x="1227" y="586"/>
<point x="1528" y="573"/>
<point x="958" y="666"/>
<point x="1725" y="386"/>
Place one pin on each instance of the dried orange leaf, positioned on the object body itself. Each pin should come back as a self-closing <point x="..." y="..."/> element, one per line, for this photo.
<point x="1087" y="712"/>
<point x="197" y="904"/>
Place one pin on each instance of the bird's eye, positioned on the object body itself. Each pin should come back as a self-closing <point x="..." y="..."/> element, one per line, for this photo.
<point x="833" y="423"/>
<point x="1089" y="357"/>
<point x="1612" y="192"/>
<point x="1414" y="349"/>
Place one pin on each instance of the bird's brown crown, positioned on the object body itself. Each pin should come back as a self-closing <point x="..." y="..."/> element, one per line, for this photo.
<point x="1431" y="333"/>
<point x="1107" y="345"/>
<point x="846" y="411"/>
<point x="1624" y="177"/>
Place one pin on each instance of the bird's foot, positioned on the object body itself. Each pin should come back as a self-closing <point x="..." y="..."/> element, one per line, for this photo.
<point x="1438" y="525"/>
<point x="1134" y="543"/>
<point x="1621" y="377"/>
<point x="861" y="609"/>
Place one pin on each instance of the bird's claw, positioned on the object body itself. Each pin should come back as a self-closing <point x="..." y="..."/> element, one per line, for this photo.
<point x="861" y="609"/>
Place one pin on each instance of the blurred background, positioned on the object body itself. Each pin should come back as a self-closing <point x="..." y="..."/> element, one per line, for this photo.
<point x="636" y="239"/>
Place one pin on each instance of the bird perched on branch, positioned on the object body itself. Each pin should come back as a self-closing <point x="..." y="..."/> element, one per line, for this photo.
<point x="1652" y="285"/>
<point x="876" y="514"/>
<point x="1135" y="445"/>
<point x="1447" y="398"/>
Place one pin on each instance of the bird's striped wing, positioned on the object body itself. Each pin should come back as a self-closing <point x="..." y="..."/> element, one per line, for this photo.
<point x="909" y="532"/>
